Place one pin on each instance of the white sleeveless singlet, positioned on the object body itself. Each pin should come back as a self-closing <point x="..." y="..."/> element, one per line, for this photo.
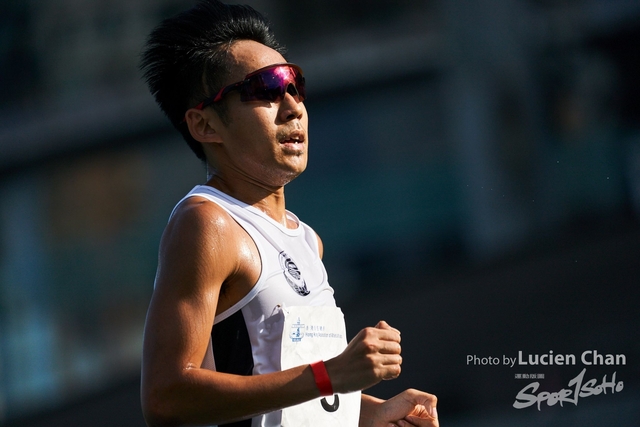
<point x="247" y="338"/>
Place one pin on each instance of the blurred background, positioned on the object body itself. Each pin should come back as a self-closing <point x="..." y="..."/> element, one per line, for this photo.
<point x="474" y="174"/>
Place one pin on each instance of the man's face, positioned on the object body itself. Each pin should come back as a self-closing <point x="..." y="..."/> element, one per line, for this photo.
<point x="263" y="142"/>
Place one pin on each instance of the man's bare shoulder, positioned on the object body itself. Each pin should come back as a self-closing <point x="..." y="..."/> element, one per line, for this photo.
<point x="205" y="246"/>
<point x="196" y="233"/>
<point x="202" y="214"/>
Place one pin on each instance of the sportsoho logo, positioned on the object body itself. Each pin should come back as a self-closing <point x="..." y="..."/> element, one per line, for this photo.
<point x="293" y="275"/>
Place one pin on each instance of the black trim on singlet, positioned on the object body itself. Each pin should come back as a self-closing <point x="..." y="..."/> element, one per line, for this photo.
<point x="232" y="351"/>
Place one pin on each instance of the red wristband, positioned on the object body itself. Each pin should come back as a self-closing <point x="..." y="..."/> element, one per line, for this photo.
<point x="321" y="376"/>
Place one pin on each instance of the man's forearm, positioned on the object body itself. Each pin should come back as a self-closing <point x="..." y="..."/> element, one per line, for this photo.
<point x="200" y="396"/>
<point x="368" y="405"/>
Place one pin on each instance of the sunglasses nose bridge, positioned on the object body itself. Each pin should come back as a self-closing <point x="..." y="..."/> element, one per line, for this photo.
<point x="292" y="90"/>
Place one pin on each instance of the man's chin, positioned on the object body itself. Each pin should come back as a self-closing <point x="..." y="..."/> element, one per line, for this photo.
<point x="291" y="177"/>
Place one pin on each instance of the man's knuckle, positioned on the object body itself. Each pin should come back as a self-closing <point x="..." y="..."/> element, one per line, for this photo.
<point x="366" y="364"/>
<point x="370" y="346"/>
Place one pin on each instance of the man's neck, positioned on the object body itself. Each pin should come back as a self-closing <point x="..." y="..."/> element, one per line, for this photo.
<point x="271" y="201"/>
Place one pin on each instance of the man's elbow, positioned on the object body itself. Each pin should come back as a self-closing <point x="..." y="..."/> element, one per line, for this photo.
<point x="157" y="408"/>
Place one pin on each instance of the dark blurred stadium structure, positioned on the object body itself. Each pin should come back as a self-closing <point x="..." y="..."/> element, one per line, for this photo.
<point x="474" y="174"/>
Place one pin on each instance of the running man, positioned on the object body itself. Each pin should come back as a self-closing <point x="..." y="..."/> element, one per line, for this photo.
<point x="242" y="328"/>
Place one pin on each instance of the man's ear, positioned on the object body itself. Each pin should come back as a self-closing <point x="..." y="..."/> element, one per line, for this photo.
<point x="202" y="125"/>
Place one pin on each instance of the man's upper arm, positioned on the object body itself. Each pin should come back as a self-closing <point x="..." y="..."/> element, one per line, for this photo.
<point x="192" y="267"/>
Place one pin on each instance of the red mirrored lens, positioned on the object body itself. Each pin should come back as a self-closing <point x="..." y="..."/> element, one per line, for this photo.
<point x="271" y="84"/>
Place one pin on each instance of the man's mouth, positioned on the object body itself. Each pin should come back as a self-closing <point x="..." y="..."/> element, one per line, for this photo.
<point x="292" y="141"/>
<point x="293" y="138"/>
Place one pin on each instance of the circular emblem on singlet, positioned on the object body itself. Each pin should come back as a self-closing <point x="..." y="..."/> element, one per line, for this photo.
<point x="293" y="275"/>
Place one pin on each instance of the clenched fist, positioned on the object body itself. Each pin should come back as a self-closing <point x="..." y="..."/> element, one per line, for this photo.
<point x="371" y="356"/>
<point x="411" y="408"/>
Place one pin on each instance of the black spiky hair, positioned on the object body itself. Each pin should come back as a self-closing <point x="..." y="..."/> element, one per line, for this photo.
<point x="185" y="57"/>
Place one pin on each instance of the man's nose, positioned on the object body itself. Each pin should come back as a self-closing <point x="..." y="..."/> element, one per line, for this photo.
<point x="291" y="106"/>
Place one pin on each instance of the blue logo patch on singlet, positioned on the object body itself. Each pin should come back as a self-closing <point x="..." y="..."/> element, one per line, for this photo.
<point x="297" y="331"/>
<point x="293" y="275"/>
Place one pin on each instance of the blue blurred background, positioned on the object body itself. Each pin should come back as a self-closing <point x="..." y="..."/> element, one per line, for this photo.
<point x="474" y="174"/>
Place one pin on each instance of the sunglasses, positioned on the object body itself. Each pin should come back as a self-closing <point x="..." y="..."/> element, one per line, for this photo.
<point x="266" y="84"/>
